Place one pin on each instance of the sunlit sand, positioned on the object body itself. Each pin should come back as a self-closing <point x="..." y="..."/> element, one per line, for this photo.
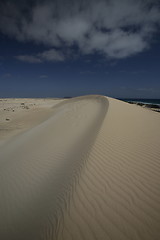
<point x="79" y="169"/>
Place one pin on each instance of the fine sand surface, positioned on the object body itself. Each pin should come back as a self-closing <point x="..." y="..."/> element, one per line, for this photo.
<point x="18" y="115"/>
<point x="86" y="168"/>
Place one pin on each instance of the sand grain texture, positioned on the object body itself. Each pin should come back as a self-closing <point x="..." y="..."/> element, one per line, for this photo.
<point x="89" y="171"/>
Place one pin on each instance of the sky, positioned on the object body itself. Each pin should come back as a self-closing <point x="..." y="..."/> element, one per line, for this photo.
<point x="59" y="48"/>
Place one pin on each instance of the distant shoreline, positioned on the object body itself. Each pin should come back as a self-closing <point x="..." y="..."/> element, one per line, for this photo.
<point x="141" y="100"/>
<point x="153" y="104"/>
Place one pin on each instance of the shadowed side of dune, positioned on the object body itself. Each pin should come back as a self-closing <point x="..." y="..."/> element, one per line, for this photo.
<point x="40" y="169"/>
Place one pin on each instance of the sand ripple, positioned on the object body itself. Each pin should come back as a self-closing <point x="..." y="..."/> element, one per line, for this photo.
<point x="91" y="171"/>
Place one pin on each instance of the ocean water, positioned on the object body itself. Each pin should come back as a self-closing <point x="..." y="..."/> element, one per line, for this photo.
<point x="142" y="100"/>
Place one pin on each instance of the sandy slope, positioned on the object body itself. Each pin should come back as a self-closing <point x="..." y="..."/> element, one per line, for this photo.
<point x="90" y="171"/>
<point x="19" y="114"/>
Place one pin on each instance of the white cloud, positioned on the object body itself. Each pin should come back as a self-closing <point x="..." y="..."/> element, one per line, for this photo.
<point x="115" y="28"/>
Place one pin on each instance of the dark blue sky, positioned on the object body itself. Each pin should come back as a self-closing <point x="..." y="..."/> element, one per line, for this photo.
<point x="113" y="61"/>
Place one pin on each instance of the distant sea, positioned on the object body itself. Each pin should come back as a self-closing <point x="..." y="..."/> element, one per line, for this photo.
<point x="141" y="100"/>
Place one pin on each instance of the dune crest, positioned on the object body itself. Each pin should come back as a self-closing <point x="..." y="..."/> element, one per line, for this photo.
<point x="90" y="171"/>
<point x="39" y="167"/>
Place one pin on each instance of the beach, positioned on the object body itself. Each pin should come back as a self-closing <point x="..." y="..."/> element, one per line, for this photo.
<point x="85" y="168"/>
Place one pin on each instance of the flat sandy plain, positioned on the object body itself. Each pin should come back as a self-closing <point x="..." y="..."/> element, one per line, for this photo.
<point x="86" y="168"/>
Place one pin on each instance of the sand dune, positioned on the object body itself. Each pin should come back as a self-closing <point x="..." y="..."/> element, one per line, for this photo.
<point x="91" y="170"/>
<point x="19" y="115"/>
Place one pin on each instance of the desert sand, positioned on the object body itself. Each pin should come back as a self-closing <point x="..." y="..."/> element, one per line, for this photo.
<point x="86" y="168"/>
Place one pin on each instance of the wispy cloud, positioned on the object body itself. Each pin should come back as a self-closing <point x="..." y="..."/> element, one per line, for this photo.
<point x="149" y="90"/>
<point x="133" y="72"/>
<point x="29" y="58"/>
<point x="49" y="55"/>
<point x="43" y="76"/>
<point x="52" y="55"/>
<point x="7" y="75"/>
<point x="87" y="72"/>
<point x="116" y="29"/>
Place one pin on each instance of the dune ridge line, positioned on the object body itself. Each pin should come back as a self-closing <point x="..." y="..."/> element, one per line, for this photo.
<point x="40" y="167"/>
